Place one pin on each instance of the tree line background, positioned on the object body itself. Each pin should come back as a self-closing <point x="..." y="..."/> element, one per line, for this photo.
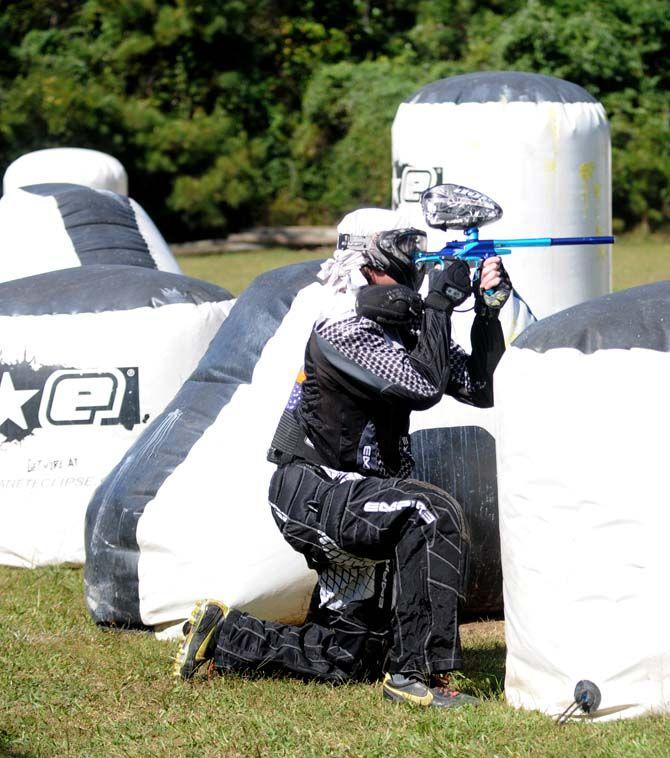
<point x="228" y="113"/>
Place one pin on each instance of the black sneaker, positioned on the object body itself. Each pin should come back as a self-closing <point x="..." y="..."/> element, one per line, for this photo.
<point x="403" y="689"/>
<point x="200" y="633"/>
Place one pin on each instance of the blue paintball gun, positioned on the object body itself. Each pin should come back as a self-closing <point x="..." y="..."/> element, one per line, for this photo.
<point x="452" y="206"/>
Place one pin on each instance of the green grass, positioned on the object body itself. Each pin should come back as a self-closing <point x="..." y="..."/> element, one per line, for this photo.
<point x="68" y="688"/>
<point x="234" y="271"/>
<point x="640" y="260"/>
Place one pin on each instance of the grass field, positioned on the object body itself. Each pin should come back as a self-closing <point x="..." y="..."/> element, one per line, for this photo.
<point x="68" y="688"/>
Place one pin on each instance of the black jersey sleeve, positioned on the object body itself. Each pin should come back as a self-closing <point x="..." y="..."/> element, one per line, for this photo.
<point x="364" y="351"/>
<point x="471" y="376"/>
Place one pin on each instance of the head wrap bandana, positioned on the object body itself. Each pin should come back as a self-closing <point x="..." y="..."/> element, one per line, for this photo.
<point x="342" y="271"/>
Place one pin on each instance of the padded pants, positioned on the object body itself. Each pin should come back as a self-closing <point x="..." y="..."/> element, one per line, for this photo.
<point x="390" y="556"/>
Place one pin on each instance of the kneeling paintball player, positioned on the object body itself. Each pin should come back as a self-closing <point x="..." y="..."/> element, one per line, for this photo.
<point x="389" y="551"/>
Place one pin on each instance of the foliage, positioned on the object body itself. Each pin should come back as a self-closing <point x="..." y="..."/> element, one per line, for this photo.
<point x="230" y="113"/>
<point x="616" y="50"/>
<point x="341" y="148"/>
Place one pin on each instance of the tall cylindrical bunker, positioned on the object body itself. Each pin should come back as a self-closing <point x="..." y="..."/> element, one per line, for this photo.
<point x="582" y="446"/>
<point x="539" y="146"/>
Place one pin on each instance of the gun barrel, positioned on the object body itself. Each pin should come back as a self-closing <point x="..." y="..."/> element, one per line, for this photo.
<point x="476" y="249"/>
<point x="551" y="241"/>
<point x="582" y="240"/>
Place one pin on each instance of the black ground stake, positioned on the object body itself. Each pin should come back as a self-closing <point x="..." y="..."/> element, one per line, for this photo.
<point x="587" y="697"/>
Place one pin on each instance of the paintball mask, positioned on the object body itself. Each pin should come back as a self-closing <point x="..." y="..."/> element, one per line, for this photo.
<point x="392" y="252"/>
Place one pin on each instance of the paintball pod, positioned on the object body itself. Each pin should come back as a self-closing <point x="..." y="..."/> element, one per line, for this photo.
<point x="452" y="206"/>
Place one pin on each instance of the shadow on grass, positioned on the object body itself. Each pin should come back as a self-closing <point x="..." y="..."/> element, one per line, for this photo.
<point x="6" y="750"/>
<point x="484" y="668"/>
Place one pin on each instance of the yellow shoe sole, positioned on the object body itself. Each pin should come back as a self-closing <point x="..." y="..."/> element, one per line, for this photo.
<point x="187" y="662"/>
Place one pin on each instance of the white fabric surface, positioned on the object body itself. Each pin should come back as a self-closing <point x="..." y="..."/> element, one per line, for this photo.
<point x="584" y="520"/>
<point x="546" y="164"/>
<point x="72" y="165"/>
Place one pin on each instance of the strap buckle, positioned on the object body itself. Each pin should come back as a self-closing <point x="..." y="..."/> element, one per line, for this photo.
<point x="343" y="241"/>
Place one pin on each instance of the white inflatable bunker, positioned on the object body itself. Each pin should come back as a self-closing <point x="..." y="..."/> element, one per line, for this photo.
<point x="537" y="145"/>
<point x="71" y="165"/>
<point x="583" y="419"/>
<point x="88" y="357"/>
<point x="46" y="227"/>
<point x="185" y="514"/>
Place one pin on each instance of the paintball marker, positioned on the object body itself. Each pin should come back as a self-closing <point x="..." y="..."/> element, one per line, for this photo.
<point x="452" y="206"/>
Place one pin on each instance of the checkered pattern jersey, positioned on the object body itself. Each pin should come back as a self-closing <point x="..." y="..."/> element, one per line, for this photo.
<point x="366" y="343"/>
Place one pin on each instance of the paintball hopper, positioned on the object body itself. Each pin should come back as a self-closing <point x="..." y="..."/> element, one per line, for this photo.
<point x="452" y="206"/>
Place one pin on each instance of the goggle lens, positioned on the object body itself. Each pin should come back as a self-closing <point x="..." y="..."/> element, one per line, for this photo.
<point x="410" y="243"/>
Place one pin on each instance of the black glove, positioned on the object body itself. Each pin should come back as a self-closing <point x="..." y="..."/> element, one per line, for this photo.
<point x="450" y="286"/>
<point x="390" y="305"/>
<point x="490" y="304"/>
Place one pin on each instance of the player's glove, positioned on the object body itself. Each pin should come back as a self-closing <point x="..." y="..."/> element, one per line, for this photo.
<point x="490" y="304"/>
<point x="450" y="286"/>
